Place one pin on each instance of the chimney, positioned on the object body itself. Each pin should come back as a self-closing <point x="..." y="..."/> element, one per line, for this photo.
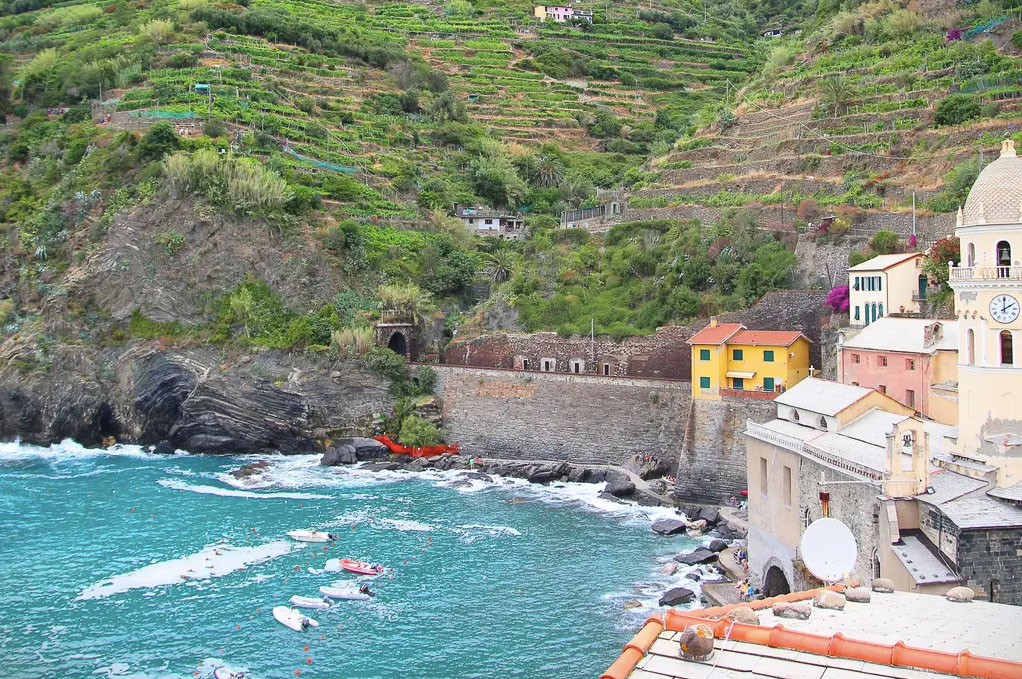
<point x="1008" y="148"/>
<point x="713" y="322"/>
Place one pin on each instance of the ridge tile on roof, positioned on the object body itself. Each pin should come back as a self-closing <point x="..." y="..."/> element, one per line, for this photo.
<point x="715" y="335"/>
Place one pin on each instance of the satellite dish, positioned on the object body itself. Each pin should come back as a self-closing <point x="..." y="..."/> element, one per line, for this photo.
<point x="828" y="550"/>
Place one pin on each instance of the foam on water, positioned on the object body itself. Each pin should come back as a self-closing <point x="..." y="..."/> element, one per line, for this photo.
<point x="405" y="524"/>
<point x="209" y="562"/>
<point x="67" y="450"/>
<point x="230" y="492"/>
<point x="492" y="530"/>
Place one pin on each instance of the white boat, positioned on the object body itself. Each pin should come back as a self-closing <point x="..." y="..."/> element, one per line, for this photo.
<point x="308" y="602"/>
<point x="293" y="618"/>
<point x="346" y="592"/>
<point x="311" y="535"/>
<point x="224" y="673"/>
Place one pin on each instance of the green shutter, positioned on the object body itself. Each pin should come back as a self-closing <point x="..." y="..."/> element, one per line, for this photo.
<point x="768" y="356"/>
<point x="704" y="382"/>
<point x="768" y="384"/>
<point x="737" y="355"/>
<point x="704" y="354"/>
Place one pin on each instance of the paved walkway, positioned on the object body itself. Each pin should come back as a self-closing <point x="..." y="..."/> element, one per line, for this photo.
<point x="640" y="483"/>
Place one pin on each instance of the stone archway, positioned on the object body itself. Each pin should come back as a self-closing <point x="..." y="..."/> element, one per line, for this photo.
<point x="775" y="582"/>
<point x="398" y="343"/>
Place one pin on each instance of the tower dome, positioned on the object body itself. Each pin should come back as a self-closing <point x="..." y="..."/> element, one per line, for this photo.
<point x="996" y="197"/>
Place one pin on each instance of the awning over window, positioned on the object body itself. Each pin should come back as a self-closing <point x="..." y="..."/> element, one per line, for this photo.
<point x="743" y="374"/>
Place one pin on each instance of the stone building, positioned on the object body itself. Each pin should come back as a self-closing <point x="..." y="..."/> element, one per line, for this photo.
<point x="484" y="221"/>
<point x="729" y="359"/>
<point x="915" y="361"/>
<point x="886" y="284"/>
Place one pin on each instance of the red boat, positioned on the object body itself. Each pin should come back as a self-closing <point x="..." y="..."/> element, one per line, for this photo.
<point x="423" y="451"/>
<point x="360" y="567"/>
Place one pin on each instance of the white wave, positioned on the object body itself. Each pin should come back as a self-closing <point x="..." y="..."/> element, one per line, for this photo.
<point x="230" y="492"/>
<point x="492" y="530"/>
<point x="406" y="525"/>
<point x="67" y="449"/>
<point x="305" y="471"/>
<point x="211" y="561"/>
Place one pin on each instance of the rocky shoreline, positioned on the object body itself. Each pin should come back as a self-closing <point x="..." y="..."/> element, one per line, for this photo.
<point x="620" y="485"/>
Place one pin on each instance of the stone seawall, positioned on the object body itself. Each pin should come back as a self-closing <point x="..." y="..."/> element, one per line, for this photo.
<point x="601" y="420"/>
<point x="558" y="416"/>
<point x="712" y="466"/>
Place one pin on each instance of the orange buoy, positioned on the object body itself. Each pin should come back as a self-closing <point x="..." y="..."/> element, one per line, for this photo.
<point x="308" y="660"/>
<point x="306" y="648"/>
<point x="237" y="627"/>
<point x="132" y="509"/>
<point x="322" y="636"/>
<point x="297" y="672"/>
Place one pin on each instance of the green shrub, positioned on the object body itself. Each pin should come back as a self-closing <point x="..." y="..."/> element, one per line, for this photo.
<point x="386" y="363"/>
<point x="239" y="183"/>
<point x="172" y="242"/>
<point x="214" y="128"/>
<point x="416" y="432"/>
<point x="352" y="341"/>
<point x="6" y="309"/>
<point x="1016" y="39"/>
<point x="885" y="242"/>
<point x="145" y="328"/>
<point x="956" y="109"/>
<point x="159" y="140"/>
<point x="856" y="257"/>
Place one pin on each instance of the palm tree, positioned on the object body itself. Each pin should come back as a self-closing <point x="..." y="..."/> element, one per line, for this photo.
<point x="837" y="92"/>
<point x="549" y="171"/>
<point x="500" y="265"/>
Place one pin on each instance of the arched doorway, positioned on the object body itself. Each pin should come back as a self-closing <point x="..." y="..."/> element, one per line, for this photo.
<point x="970" y="346"/>
<point x="970" y="256"/>
<point x="398" y="344"/>
<point x="775" y="583"/>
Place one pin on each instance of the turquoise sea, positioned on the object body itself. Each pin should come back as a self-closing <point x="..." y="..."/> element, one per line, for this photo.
<point x="497" y="579"/>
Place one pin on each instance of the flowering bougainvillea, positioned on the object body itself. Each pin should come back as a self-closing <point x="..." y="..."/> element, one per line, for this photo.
<point x="837" y="299"/>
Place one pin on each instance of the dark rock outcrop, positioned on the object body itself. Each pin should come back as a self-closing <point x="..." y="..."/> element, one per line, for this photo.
<point x="339" y="454"/>
<point x="192" y="399"/>
<point x="620" y="486"/>
<point x="696" y="556"/>
<point x="717" y="546"/>
<point x="677" y="595"/>
<point x="668" y="526"/>
<point x="253" y="469"/>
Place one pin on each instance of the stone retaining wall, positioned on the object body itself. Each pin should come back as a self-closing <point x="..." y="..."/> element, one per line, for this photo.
<point x="556" y="416"/>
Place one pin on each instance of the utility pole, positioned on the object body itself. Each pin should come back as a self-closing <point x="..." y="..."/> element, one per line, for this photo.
<point x="913" y="212"/>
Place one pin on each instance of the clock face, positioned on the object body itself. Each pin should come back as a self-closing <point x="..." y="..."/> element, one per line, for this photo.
<point x="1004" y="308"/>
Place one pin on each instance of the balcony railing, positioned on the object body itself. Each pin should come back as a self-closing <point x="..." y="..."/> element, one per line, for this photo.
<point x="986" y="273"/>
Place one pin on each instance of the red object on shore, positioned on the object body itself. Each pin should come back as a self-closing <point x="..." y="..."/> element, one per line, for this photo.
<point x="360" y="567"/>
<point x="422" y="451"/>
<point x="745" y="493"/>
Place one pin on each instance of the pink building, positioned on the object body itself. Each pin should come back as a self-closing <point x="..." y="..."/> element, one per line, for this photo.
<point x="562" y="13"/>
<point x="912" y="360"/>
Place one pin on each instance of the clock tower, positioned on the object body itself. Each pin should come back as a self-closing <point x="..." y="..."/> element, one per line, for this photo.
<point x="988" y="298"/>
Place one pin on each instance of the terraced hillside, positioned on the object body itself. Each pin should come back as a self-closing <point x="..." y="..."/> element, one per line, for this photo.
<point x="855" y="119"/>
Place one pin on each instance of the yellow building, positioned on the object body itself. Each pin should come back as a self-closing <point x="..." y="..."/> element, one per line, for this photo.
<point x="988" y="295"/>
<point x="730" y="360"/>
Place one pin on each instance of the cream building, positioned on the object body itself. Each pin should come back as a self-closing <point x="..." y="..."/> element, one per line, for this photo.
<point x="988" y="295"/>
<point x="886" y="284"/>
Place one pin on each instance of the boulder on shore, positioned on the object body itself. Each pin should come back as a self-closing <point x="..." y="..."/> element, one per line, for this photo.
<point x="620" y="486"/>
<point x="668" y="526"/>
<point x="339" y="454"/>
<point x="677" y="595"/>
<point x="164" y="448"/>
<point x="717" y="546"/>
<point x="709" y="515"/>
<point x="696" y="556"/>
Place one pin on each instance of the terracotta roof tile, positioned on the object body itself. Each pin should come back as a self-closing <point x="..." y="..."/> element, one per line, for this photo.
<point x="782" y="338"/>
<point x="715" y="335"/>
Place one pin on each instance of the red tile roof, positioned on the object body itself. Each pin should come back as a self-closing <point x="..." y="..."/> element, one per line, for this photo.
<point x="715" y="335"/>
<point x="837" y="646"/>
<point x="782" y="338"/>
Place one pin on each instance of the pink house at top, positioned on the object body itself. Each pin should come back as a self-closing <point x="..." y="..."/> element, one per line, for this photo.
<point x="912" y="360"/>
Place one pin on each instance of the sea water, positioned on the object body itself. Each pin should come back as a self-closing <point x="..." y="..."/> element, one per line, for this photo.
<point x="124" y="564"/>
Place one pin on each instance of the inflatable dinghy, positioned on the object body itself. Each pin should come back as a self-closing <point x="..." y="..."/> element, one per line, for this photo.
<point x="293" y="618"/>
<point x="308" y="602"/>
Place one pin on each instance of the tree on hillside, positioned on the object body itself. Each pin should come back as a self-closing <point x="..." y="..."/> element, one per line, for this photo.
<point x="956" y="109"/>
<point x="885" y="242"/>
<point x="548" y="171"/>
<point x="499" y="266"/>
<point x="837" y="93"/>
<point x="495" y="179"/>
<point x="447" y="107"/>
